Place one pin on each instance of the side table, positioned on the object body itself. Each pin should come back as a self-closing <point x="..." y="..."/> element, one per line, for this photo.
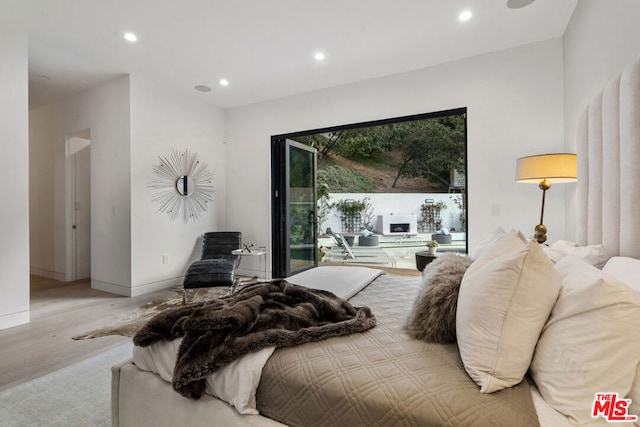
<point x="423" y="258"/>
<point x="262" y="259"/>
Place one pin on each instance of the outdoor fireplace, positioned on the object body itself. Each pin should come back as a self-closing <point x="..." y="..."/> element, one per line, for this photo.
<point x="396" y="224"/>
<point x="401" y="227"/>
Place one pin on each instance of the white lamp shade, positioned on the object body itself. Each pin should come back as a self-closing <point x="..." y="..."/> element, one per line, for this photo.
<point x="555" y="168"/>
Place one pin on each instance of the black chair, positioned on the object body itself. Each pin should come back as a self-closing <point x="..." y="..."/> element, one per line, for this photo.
<point x="217" y="265"/>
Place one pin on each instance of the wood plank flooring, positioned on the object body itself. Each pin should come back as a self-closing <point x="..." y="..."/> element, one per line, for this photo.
<point x="61" y="310"/>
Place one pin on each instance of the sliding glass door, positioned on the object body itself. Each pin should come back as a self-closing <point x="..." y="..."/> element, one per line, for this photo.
<point x="294" y="227"/>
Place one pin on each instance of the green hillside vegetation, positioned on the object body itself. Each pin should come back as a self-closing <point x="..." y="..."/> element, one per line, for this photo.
<point x="414" y="156"/>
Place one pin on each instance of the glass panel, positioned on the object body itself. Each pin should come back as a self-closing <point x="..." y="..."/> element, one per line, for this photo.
<point x="301" y="207"/>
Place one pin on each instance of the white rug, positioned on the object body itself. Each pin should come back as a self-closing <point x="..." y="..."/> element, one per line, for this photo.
<point x="343" y="281"/>
<point x="78" y="395"/>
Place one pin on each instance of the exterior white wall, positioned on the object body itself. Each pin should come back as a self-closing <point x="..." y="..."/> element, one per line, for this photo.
<point x="160" y="122"/>
<point x="514" y="108"/>
<point x="600" y="40"/>
<point x="399" y="204"/>
<point x="14" y="164"/>
<point x="105" y="111"/>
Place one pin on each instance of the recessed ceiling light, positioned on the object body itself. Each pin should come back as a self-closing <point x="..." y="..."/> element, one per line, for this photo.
<point x="202" y="88"/>
<point x="319" y="56"/>
<point x="465" y="15"/>
<point x="517" y="4"/>
<point x="130" y="37"/>
<point x="224" y="82"/>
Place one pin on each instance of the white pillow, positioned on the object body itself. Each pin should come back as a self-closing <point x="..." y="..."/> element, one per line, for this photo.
<point x="591" y="343"/>
<point x="498" y="244"/>
<point x="235" y="384"/>
<point x="595" y="255"/>
<point x="627" y="271"/>
<point x="487" y="242"/>
<point x="503" y="304"/>
<point x="624" y="269"/>
<point x="634" y="395"/>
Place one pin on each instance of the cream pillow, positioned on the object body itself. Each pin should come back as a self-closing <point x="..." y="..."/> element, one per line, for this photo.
<point x="504" y="302"/>
<point x="591" y="343"/>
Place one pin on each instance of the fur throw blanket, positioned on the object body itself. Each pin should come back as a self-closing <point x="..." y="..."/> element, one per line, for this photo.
<point x="217" y="332"/>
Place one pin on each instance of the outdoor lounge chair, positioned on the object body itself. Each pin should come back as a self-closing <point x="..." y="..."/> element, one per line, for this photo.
<point x="343" y="252"/>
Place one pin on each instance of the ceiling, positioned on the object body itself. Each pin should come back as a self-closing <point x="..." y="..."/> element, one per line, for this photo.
<point x="265" y="48"/>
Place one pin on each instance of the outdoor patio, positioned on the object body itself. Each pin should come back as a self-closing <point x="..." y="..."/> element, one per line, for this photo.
<point x="399" y="251"/>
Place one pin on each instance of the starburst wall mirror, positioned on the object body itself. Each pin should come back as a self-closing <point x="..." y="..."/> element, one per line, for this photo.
<point x="183" y="186"/>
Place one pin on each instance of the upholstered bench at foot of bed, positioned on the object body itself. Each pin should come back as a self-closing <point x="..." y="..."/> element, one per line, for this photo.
<point x="132" y="407"/>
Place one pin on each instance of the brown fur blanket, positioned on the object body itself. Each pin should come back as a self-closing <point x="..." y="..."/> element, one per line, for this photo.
<point x="263" y="315"/>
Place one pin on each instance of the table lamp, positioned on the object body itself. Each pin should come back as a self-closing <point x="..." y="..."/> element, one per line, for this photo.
<point x="544" y="170"/>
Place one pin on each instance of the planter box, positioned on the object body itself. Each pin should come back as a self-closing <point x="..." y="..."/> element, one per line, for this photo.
<point x="368" y="241"/>
<point x="443" y="239"/>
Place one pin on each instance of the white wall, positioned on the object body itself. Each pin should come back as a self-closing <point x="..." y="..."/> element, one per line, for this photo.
<point x="515" y="108"/>
<point x="14" y="164"/>
<point x="105" y="111"/>
<point x="160" y="122"/>
<point x="132" y="121"/>
<point x="47" y="192"/>
<point x="600" y="40"/>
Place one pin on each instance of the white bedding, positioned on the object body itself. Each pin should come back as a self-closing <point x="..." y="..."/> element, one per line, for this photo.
<point x="235" y="384"/>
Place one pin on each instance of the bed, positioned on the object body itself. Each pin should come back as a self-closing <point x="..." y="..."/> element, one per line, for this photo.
<point x="555" y="353"/>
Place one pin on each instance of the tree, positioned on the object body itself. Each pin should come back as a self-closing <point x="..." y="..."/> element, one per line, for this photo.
<point x="362" y="143"/>
<point x="430" y="148"/>
<point x="350" y="143"/>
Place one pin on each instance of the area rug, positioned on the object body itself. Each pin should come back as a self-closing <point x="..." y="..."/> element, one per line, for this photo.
<point x="78" y="395"/>
<point x="130" y="325"/>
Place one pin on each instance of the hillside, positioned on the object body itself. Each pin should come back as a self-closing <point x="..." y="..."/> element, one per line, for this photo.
<point x="382" y="171"/>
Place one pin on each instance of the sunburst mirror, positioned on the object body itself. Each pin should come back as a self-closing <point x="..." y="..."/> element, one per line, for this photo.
<point x="183" y="185"/>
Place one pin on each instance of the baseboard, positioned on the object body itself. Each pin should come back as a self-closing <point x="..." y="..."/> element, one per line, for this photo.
<point x="134" y="291"/>
<point x="14" y="319"/>
<point x="156" y="286"/>
<point x="112" y="288"/>
<point x="55" y="275"/>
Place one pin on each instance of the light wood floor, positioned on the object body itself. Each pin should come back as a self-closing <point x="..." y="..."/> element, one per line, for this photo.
<point x="61" y="310"/>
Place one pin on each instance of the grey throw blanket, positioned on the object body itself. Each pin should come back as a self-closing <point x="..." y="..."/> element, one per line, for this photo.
<point x="218" y="332"/>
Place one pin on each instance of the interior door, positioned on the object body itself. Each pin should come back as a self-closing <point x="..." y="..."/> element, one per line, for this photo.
<point x="294" y="216"/>
<point x="79" y="199"/>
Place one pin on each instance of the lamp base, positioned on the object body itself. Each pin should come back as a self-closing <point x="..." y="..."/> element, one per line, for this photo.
<point x="541" y="233"/>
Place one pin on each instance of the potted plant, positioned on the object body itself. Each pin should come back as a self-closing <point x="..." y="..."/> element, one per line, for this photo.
<point x="432" y="245"/>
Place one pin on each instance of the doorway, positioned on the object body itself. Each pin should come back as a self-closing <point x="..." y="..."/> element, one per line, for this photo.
<point x="398" y="183"/>
<point x="78" y="205"/>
